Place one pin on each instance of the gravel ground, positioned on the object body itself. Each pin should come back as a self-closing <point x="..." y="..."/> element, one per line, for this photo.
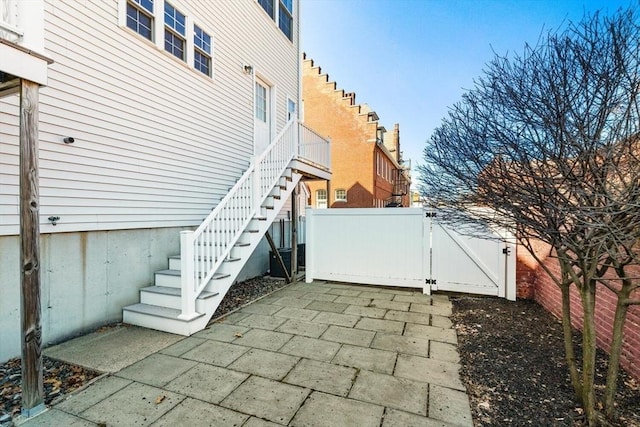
<point x="61" y="378"/>
<point x="513" y="366"/>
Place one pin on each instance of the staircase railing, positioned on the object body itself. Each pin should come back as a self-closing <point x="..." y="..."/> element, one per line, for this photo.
<point x="203" y="251"/>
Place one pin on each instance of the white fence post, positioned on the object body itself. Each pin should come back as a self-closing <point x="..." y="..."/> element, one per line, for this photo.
<point x="310" y="243"/>
<point x="187" y="275"/>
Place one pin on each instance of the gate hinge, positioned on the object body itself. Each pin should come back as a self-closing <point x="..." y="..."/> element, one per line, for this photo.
<point x="430" y="214"/>
<point x="430" y="281"/>
<point x="506" y="251"/>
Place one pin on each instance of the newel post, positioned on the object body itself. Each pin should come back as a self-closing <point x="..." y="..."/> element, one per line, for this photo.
<point x="187" y="275"/>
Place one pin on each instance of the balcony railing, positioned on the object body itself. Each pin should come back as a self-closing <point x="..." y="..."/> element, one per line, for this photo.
<point x="9" y="21"/>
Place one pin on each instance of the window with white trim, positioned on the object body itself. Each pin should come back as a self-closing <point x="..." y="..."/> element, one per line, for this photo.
<point x="291" y="109"/>
<point x="174" y="32"/>
<point x="201" y="51"/>
<point x="321" y="199"/>
<point x="281" y="12"/>
<point x="341" y="195"/>
<point x="140" y="17"/>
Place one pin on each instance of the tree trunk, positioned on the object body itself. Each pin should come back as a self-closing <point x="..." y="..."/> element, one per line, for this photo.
<point x="589" y="352"/>
<point x="614" y="354"/>
<point x="568" y="343"/>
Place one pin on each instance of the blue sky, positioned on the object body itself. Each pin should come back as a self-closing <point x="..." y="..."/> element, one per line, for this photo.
<point x="411" y="59"/>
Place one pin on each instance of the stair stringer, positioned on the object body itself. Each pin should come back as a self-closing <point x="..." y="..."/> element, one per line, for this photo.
<point x="164" y="317"/>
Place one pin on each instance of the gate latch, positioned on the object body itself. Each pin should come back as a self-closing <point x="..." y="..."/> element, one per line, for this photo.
<point x="506" y="251"/>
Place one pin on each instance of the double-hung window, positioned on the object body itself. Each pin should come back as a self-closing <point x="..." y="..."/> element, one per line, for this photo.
<point x="140" y="17"/>
<point x="341" y="195"/>
<point x="174" y="32"/>
<point x="267" y="5"/>
<point x="285" y="18"/>
<point x="201" y="51"/>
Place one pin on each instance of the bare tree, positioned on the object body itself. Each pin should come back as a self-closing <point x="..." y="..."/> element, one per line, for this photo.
<point x="549" y="140"/>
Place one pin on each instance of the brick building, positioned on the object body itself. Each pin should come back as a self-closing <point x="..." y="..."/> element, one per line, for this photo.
<point x="366" y="160"/>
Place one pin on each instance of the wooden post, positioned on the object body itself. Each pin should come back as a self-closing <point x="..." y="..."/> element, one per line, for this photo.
<point x="32" y="388"/>
<point x="294" y="234"/>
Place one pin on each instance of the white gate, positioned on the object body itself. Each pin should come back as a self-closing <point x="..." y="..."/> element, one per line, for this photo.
<point x="406" y="247"/>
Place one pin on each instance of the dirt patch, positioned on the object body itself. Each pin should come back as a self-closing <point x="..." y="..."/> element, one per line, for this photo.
<point x="513" y="366"/>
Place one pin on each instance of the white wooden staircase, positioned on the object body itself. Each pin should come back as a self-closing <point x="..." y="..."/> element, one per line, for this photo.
<point x="184" y="297"/>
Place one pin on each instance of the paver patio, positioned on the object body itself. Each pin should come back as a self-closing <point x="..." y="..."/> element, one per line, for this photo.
<point x="319" y="354"/>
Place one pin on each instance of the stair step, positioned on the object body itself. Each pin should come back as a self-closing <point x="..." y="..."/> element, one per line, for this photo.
<point x="171" y="278"/>
<point x="166" y="290"/>
<point x="157" y="311"/>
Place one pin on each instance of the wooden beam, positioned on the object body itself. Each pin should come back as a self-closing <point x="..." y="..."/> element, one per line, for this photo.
<point x="32" y="386"/>
<point x="274" y="250"/>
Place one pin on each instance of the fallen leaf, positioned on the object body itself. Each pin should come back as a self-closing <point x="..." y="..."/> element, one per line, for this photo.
<point x="238" y="335"/>
<point x="160" y="398"/>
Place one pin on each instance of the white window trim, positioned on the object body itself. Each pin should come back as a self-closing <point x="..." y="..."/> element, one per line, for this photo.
<point x="276" y="18"/>
<point x="340" y="199"/>
<point x="295" y="111"/>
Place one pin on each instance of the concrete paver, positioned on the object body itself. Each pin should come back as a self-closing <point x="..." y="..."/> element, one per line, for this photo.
<point x="390" y="391"/>
<point x="207" y="382"/>
<point x="325" y="410"/>
<point x="136" y="404"/>
<point x="192" y="412"/>
<point x="310" y="354"/>
<point x="268" y="399"/>
<point x="322" y="376"/>
<point x="366" y="358"/>
<point x="264" y="363"/>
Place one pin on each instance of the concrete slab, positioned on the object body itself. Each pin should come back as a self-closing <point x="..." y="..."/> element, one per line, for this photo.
<point x="136" y="404"/>
<point x="345" y="291"/>
<point x="291" y="302"/>
<point x="348" y="320"/>
<point x="444" y="352"/>
<point x="372" y="312"/>
<point x="396" y="418"/>
<point x="297" y="313"/>
<point x="449" y="405"/>
<point x="182" y="346"/>
<point x="415" y="298"/>
<point x="392" y="392"/>
<point x="259" y="422"/>
<point x="440" y="310"/>
<point x="262" y="321"/>
<point x="311" y="348"/>
<point x="94" y="393"/>
<point x="376" y="295"/>
<point x="428" y="370"/>
<point x="366" y="358"/>
<point x="267" y="399"/>
<point x="401" y="344"/>
<point x="54" y="417"/>
<point x="233" y="317"/>
<point x="207" y="382"/>
<point x="380" y="325"/>
<point x="301" y="327"/>
<point x="333" y="307"/>
<point x="364" y="302"/>
<point x="320" y="296"/>
<point x="215" y="353"/>
<point x="264" y="363"/>
<point x="324" y="410"/>
<point x="393" y="291"/>
<point x="391" y="305"/>
<point x="257" y="308"/>
<point x="348" y="335"/>
<point x="266" y="340"/>
<point x="95" y="350"/>
<point x="322" y="376"/>
<point x="192" y="412"/>
<point x="403" y="316"/>
<point x="156" y="370"/>
<point x="441" y="321"/>
<point x="221" y="332"/>
<point x="432" y="333"/>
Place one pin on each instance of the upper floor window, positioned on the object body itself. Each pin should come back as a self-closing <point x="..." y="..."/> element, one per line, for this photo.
<point x="174" y="31"/>
<point x="285" y="21"/>
<point x="140" y="17"/>
<point x="281" y="11"/>
<point x="201" y="51"/>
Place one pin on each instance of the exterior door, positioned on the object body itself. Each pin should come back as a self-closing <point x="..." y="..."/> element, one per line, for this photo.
<point x="262" y="116"/>
<point x="321" y="199"/>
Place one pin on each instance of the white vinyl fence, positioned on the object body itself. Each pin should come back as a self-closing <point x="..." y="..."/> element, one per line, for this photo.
<point x="405" y="247"/>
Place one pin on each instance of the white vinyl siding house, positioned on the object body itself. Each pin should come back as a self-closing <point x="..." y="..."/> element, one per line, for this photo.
<point x="158" y="143"/>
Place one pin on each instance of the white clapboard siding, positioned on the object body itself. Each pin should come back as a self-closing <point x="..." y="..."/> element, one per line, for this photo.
<point x="157" y="144"/>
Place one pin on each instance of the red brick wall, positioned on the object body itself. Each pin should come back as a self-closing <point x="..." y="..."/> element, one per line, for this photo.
<point x="547" y="294"/>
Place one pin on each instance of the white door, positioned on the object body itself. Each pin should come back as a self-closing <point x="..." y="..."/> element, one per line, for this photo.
<point x="321" y="199"/>
<point x="262" y="116"/>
